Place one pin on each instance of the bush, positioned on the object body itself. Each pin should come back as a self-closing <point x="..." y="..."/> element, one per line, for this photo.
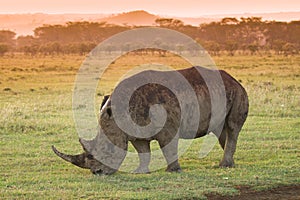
<point x="3" y="49"/>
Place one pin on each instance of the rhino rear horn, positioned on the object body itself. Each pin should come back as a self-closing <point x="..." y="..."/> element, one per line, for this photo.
<point x="78" y="160"/>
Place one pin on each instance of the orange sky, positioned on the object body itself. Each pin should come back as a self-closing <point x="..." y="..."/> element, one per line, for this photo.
<point x="189" y="8"/>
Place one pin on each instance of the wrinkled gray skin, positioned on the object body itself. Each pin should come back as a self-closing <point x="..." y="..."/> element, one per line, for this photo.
<point x="105" y="153"/>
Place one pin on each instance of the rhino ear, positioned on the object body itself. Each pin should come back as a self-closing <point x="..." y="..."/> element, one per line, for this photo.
<point x="105" y="98"/>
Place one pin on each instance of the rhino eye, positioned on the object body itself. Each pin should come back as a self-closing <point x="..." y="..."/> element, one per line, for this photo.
<point x="90" y="156"/>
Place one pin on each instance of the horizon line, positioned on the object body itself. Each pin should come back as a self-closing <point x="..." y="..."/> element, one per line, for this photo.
<point x="162" y="15"/>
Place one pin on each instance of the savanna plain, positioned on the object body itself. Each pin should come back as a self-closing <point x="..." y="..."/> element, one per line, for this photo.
<point x="36" y="112"/>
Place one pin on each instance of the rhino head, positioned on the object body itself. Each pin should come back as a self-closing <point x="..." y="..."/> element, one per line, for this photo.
<point x="87" y="161"/>
<point x="106" y="152"/>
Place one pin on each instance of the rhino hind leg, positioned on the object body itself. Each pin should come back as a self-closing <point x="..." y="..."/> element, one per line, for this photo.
<point x="222" y="137"/>
<point x="143" y="149"/>
<point x="228" y="143"/>
<point x="232" y="127"/>
<point x="229" y="146"/>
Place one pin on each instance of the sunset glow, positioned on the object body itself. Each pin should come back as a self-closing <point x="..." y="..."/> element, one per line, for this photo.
<point x="186" y="8"/>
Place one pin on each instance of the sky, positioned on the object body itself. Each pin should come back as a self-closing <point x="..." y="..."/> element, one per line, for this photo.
<point x="180" y="8"/>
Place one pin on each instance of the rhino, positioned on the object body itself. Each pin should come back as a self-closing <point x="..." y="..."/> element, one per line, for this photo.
<point x="105" y="153"/>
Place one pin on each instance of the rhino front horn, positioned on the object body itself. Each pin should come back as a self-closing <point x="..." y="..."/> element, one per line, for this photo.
<point x="78" y="160"/>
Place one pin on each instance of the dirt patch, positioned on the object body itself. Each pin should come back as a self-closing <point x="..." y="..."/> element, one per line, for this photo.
<point x="283" y="192"/>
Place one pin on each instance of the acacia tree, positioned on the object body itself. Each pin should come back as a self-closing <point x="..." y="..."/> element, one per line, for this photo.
<point x="253" y="48"/>
<point x="3" y="49"/>
<point x="231" y="46"/>
<point x="7" y="41"/>
<point x="212" y="47"/>
<point x="289" y="49"/>
<point x="7" y="37"/>
<point x="169" y="22"/>
<point x="229" y="20"/>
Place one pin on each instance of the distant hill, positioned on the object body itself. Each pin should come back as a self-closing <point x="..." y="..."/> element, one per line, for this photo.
<point x="138" y="18"/>
<point x="24" y="24"/>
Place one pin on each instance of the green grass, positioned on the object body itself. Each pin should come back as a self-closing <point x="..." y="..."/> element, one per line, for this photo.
<point x="36" y="112"/>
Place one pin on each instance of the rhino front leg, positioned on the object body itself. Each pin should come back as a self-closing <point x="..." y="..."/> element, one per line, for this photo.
<point x="143" y="149"/>
<point x="170" y="151"/>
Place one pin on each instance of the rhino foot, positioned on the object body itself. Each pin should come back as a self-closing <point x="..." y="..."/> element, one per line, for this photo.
<point x="226" y="163"/>
<point x="174" y="167"/>
<point x="142" y="170"/>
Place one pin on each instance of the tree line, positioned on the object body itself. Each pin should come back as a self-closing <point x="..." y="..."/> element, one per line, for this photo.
<point x="248" y="35"/>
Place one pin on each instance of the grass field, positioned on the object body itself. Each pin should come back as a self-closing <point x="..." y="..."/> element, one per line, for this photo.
<point x="36" y="112"/>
